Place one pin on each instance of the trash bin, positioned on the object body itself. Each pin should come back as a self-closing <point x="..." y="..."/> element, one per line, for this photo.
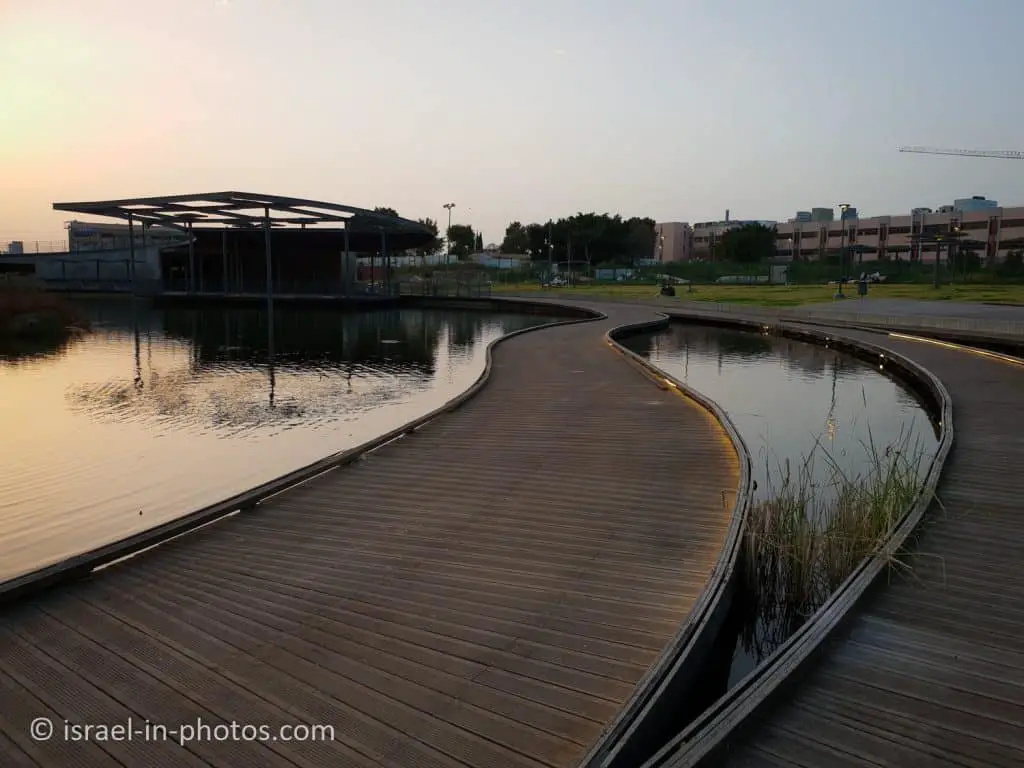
<point x="862" y="287"/>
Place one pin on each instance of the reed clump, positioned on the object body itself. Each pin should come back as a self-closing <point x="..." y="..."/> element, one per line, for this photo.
<point x="807" y="536"/>
<point x="28" y="312"/>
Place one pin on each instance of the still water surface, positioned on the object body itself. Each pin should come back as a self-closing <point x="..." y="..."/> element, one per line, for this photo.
<point x="159" y="413"/>
<point x="789" y="400"/>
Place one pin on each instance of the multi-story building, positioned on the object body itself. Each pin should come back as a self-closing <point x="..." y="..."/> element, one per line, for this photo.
<point x="707" y="233"/>
<point x="994" y="231"/>
<point x="975" y="203"/>
<point x="673" y="241"/>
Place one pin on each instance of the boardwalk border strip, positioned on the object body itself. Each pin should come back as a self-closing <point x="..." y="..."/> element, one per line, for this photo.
<point x="654" y="704"/>
<point x="83" y="564"/>
<point x="702" y="740"/>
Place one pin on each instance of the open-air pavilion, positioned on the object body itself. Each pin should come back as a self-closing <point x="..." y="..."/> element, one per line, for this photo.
<point x="242" y="243"/>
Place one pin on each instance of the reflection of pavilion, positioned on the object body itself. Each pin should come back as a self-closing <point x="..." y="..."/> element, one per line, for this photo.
<point x="334" y="362"/>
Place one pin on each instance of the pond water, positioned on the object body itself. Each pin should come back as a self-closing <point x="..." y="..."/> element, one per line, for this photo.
<point x="159" y="413"/>
<point x="791" y="400"/>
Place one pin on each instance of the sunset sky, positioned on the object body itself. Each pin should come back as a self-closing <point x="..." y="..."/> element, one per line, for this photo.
<point x="512" y="109"/>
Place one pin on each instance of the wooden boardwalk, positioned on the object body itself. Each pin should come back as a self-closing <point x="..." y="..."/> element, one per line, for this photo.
<point x="931" y="669"/>
<point x="485" y="592"/>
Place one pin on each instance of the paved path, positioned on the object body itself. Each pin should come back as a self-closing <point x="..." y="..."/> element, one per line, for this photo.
<point x="920" y="308"/>
<point x="488" y="591"/>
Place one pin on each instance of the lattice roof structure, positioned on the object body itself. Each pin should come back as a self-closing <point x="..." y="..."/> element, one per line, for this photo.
<point x="244" y="210"/>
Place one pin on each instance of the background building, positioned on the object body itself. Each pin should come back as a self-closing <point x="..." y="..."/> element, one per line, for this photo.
<point x="104" y="236"/>
<point x="975" y="203"/>
<point x="706" y="234"/>
<point x="673" y="241"/>
<point x="997" y="231"/>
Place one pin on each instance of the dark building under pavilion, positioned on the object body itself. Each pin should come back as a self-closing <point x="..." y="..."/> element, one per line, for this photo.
<point x="241" y="243"/>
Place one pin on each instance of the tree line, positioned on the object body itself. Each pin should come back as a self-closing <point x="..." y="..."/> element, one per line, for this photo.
<point x="589" y="238"/>
<point x="463" y="239"/>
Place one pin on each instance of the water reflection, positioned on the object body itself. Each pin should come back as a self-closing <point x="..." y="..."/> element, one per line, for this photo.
<point x="790" y="400"/>
<point x="156" y="413"/>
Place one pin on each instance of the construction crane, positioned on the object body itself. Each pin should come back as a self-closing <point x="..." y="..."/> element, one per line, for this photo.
<point x="1005" y="154"/>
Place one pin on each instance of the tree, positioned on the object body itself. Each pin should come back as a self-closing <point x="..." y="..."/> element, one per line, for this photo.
<point x="516" y="239"/>
<point x="479" y="244"/>
<point x="1013" y="264"/>
<point x="435" y="245"/>
<point x="641" y="238"/>
<point x="462" y="237"/>
<point x="750" y="244"/>
<point x="536" y="239"/>
<point x="383" y="210"/>
<point x="590" y="237"/>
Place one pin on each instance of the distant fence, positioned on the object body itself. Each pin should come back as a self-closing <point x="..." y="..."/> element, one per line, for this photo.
<point x="26" y="247"/>
<point x="447" y="288"/>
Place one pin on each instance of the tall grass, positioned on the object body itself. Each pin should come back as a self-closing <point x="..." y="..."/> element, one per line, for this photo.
<point x="806" y="537"/>
<point x="27" y="310"/>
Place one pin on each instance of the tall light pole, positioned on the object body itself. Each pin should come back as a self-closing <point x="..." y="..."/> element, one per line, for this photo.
<point x="843" y="208"/>
<point x="448" y="235"/>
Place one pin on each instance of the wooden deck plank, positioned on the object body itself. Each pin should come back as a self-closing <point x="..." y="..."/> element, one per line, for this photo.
<point x="931" y="672"/>
<point x="486" y="591"/>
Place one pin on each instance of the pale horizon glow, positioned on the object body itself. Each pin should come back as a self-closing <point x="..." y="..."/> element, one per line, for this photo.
<point x="515" y="110"/>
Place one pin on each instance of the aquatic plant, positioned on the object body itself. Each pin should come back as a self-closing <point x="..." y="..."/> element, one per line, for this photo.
<point x="806" y="536"/>
<point x="28" y="311"/>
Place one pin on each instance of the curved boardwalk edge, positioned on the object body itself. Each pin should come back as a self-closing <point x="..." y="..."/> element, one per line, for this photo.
<point x="707" y="734"/>
<point x="83" y="564"/>
<point x="653" y="708"/>
<point x="651" y="714"/>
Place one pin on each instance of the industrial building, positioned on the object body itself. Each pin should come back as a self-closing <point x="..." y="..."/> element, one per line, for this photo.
<point x="989" y="229"/>
<point x="992" y="231"/>
<point x="673" y="241"/>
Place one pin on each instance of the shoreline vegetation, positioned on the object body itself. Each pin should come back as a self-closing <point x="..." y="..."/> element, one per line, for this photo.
<point x="30" y="314"/>
<point x="806" y="537"/>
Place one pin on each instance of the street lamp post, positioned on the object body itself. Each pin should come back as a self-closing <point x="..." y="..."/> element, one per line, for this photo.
<point x="843" y="208"/>
<point x="448" y="236"/>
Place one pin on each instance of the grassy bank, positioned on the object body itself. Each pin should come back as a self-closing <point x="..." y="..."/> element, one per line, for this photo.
<point x="783" y="295"/>
<point x="29" y="313"/>
<point x="806" y="537"/>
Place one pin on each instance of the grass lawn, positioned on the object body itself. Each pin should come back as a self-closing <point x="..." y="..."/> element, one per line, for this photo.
<point x="782" y="295"/>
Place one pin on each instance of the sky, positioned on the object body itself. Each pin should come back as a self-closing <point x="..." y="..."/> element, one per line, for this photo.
<point x="512" y="109"/>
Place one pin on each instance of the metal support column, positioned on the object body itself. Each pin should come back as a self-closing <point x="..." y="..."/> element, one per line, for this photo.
<point x="191" y="260"/>
<point x="346" y="278"/>
<point x="131" y="251"/>
<point x="224" y="255"/>
<point x="267" y="256"/>
<point x="270" y="304"/>
<point x="385" y="261"/>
